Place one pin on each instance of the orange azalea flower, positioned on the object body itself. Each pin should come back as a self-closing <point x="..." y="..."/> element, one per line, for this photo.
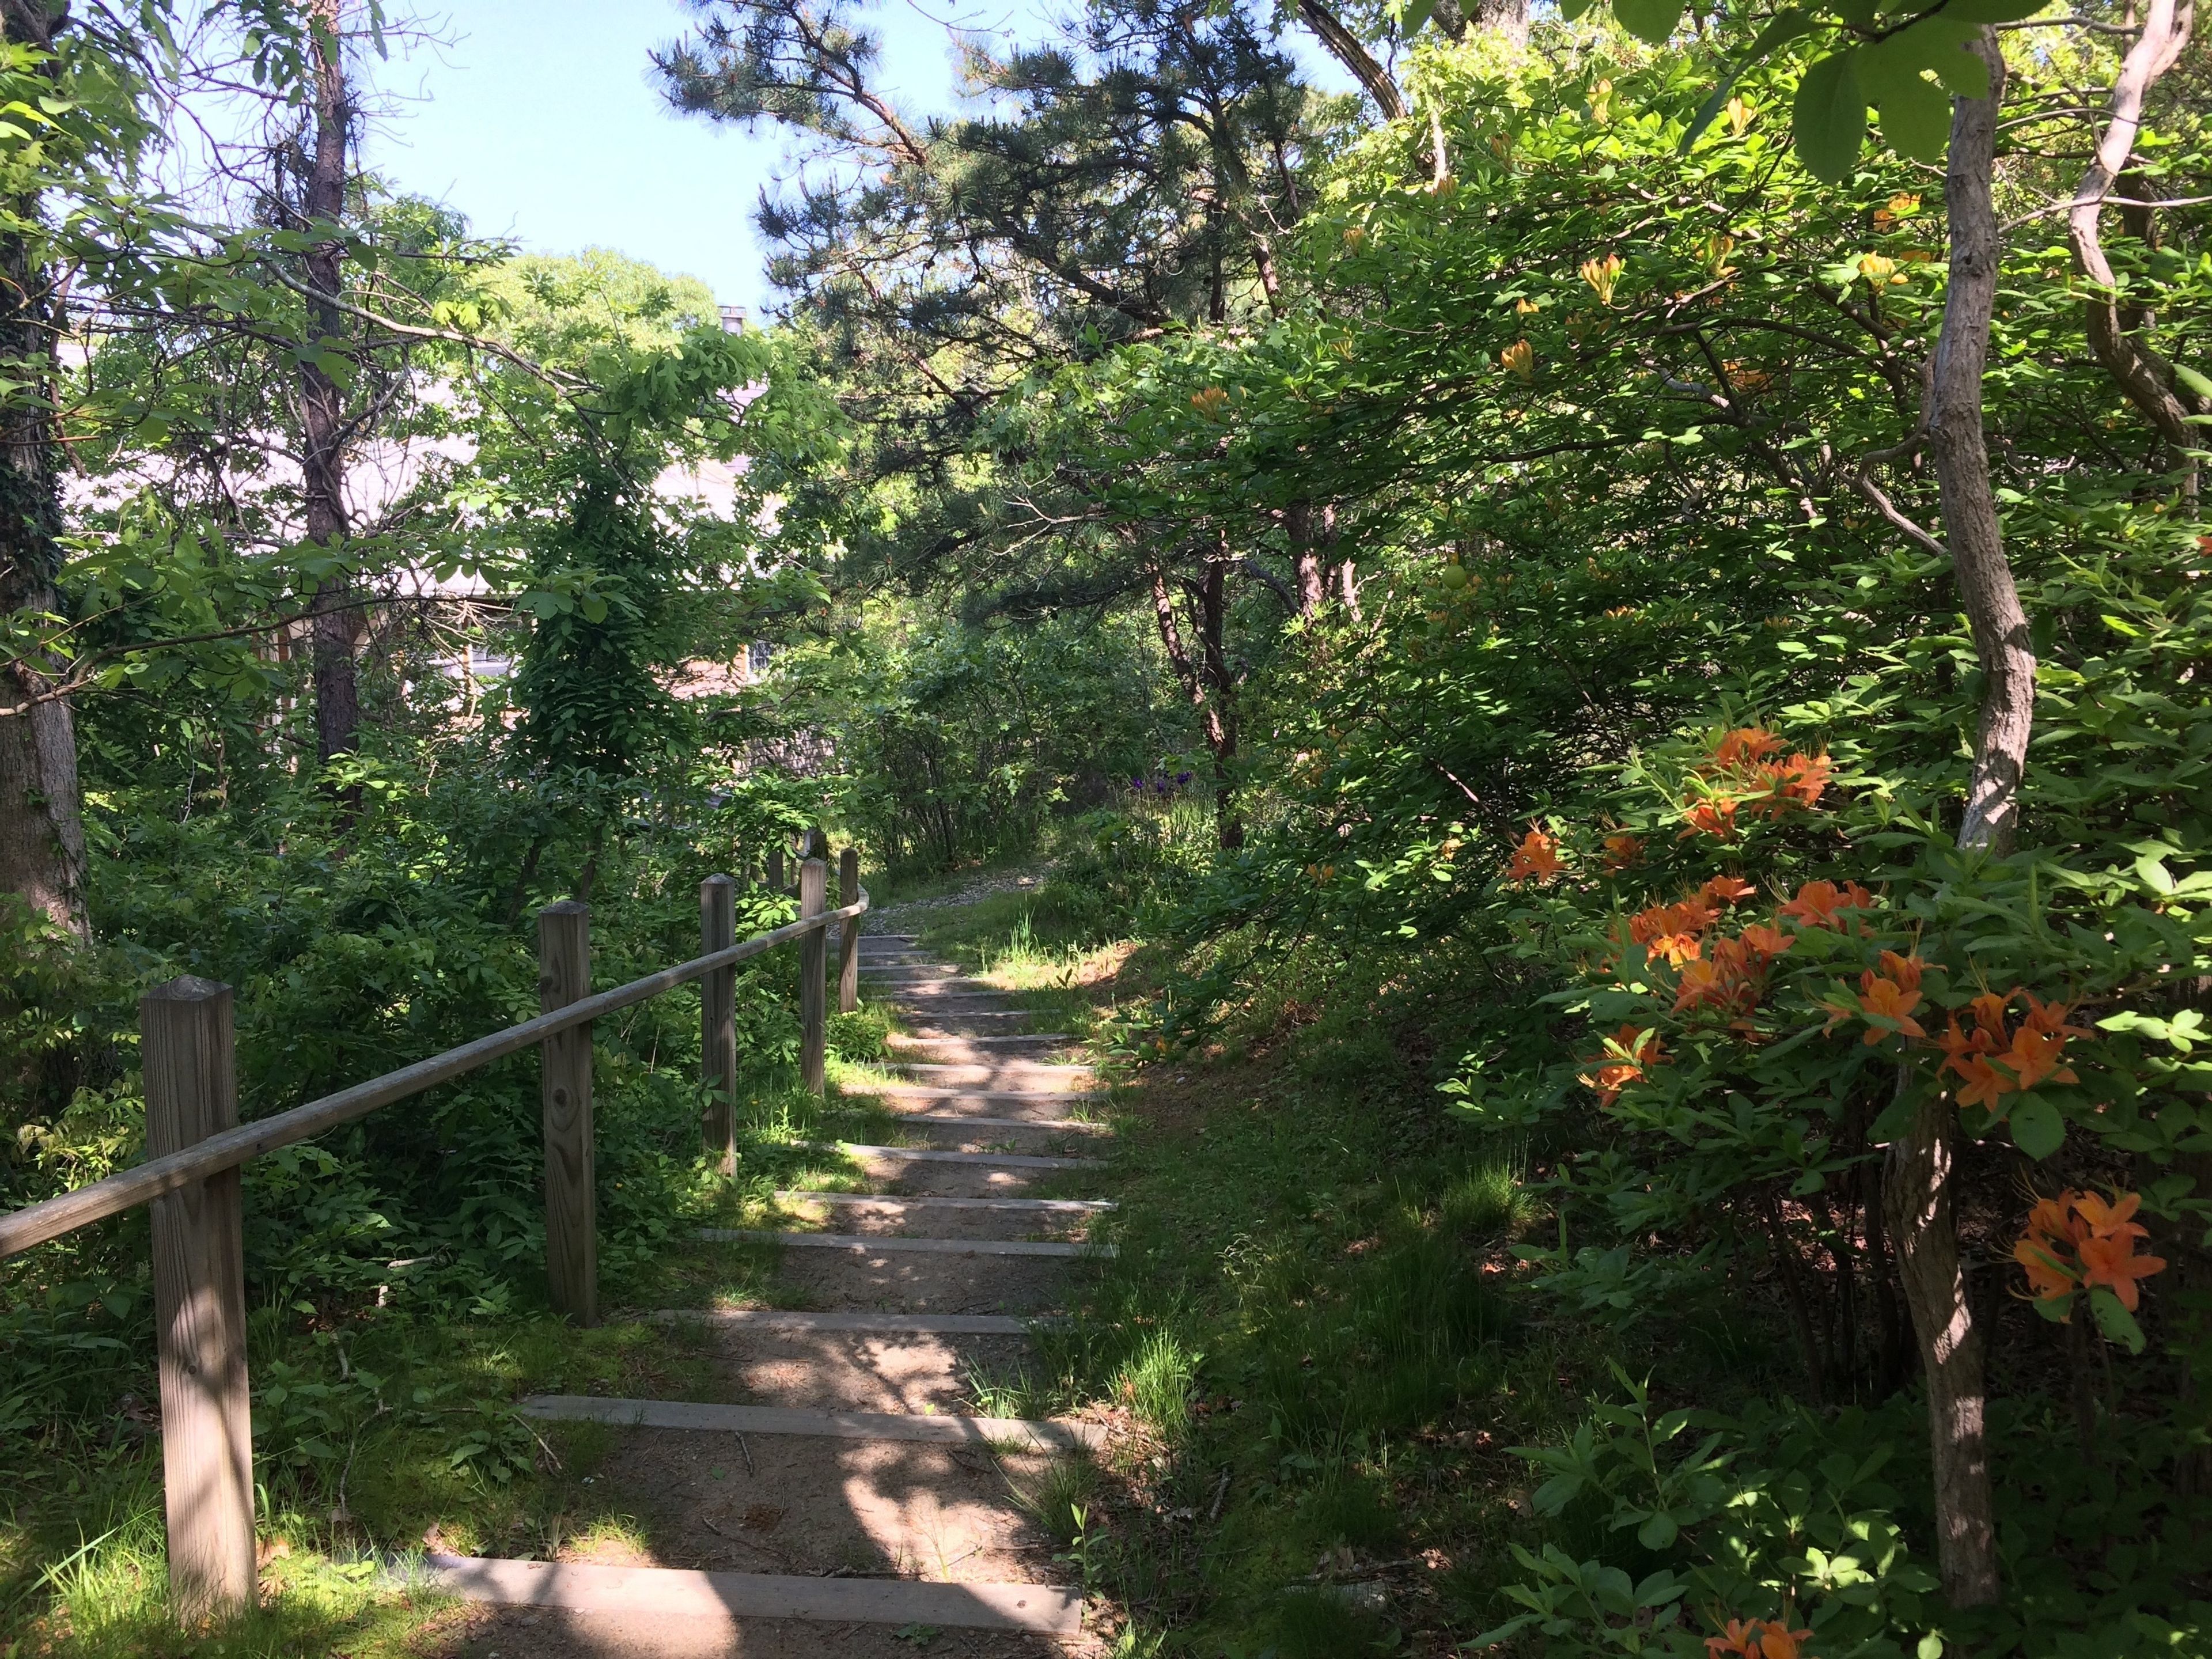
<point x="2049" y="1018"/>
<point x="1759" y="1638"/>
<point x="1676" y="948"/>
<point x="1700" y="984"/>
<point x="1766" y="941"/>
<point x="1688" y="917"/>
<point x="1889" y="1000"/>
<point x="2113" y="1263"/>
<point x="2034" y="1056"/>
<point x="2048" y="1277"/>
<point x="1725" y="890"/>
<point x="1989" y="1015"/>
<point x="1626" y="1055"/>
<point x="1819" y="904"/>
<point x="1621" y="851"/>
<point x="1803" y="779"/>
<point x="1710" y="817"/>
<point x="1743" y="747"/>
<point x="2113" y="1219"/>
<point x="1985" y="1084"/>
<point x="1905" y="970"/>
<point x="2078" y="1241"/>
<point x="1962" y="1049"/>
<point x="1538" y="856"/>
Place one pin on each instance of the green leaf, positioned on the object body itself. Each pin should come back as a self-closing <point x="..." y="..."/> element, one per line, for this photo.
<point x="1658" y="1532"/>
<point x="1651" y="20"/>
<point x="1916" y="117"/>
<point x="2037" y="1128"/>
<point x="2117" y="1324"/>
<point x="1784" y="29"/>
<point x="1830" y="118"/>
<point x="2190" y="378"/>
<point x="1415" y="14"/>
<point x="1931" y="1647"/>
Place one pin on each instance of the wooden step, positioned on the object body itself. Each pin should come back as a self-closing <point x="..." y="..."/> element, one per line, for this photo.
<point x="922" y="1091"/>
<point x="1004" y="1076"/>
<point x="932" y="1155"/>
<point x="1061" y="1125"/>
<point x="863" y="1322"/>
<point x="881" y="1201"/>
<point x="674" y="1594"/>
<point x="903" y="1040"/>
<point x="872" y="1243"/>
<point x="1046" y="1435"/>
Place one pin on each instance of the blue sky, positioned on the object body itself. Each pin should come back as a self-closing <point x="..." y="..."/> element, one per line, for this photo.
<point x="537" y="120"/>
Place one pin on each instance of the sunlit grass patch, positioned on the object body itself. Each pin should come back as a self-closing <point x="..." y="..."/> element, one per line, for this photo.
<point x="1057" y="1496"/>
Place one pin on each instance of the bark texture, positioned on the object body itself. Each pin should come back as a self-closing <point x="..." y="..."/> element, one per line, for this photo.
<point x="1959" y="450"/>
<point x="1918" y="1166"/>
<point x="1923" y="1233"/>
<point x="336" y="620"/>
<point x="1345" y="46"/>
<point x="41" y="827"/>
<point x="2117" y="335"/>
<point x="1207" y="678"/>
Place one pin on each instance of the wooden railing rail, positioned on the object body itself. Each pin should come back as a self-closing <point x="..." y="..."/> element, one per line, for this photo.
<point x="38" y="1223"/>
<point x="196" y="1146"/>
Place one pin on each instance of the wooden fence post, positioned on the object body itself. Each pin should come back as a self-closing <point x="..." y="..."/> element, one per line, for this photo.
<point x="572" y="1243"/>
<point x="718" y="1018"/>
<point x="849" y="931"/>
<point x="813" y="966"/>
<point x="775" y="869"/>
<point x="188" y="1039"/>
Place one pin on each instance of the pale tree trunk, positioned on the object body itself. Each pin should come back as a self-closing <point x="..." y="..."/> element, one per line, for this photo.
<point x="1345" y="46"/>
<point x="1207" y="681"/>
<point x="1916" y="1175"/>
<point x="337" y="619"/>
<point x="1306" y="558"/>
<point x="1507" y="17"/>
<point x="2120" y="342"/>
<point x="42" y="858"/>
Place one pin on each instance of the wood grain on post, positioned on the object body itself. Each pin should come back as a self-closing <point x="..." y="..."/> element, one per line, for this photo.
<point x="813" y="965"/>
<point x="571" y="1244"/>
<point x="775" y="870"/>
<point x="849" y="931"/>
<point x="199" y="1304"/>
<point x="718" y="1019"/>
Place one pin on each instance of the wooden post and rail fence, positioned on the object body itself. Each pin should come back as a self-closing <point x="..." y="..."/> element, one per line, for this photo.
<point x="195" y="1146"/>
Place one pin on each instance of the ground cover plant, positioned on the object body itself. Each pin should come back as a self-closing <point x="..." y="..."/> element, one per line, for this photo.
<point x="1582" y="668"/>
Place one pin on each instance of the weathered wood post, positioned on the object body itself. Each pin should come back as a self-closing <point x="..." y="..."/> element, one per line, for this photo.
<point x="188" y="1040"/>
<point x="849" y="931"/>
<point x="718" y="1019"/>
<point x="775" y="869"/>
<point x="813" y="968"/>
<point x="572" y="1241"/>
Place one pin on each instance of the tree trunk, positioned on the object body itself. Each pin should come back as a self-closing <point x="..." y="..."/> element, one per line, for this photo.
<point x="1923" y="1231"/>
<point x="2119" y="342"/>
<point x="1961" y="456"/>
<point x="1917" y="1175"/>
<point x="1202" y="683"/>
<point x="1306" y="557"/>
<point x="42" y="857"/>
<point x="322" y="413"/>
<point x="1344" y="45"/>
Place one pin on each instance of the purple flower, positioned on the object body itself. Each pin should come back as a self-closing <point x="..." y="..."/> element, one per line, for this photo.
<point x="1181" y="778"/>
